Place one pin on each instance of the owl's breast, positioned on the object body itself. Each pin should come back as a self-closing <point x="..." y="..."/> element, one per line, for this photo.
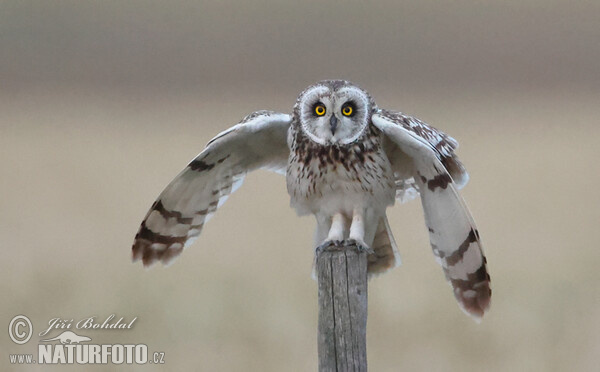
<point x="339" y="178"/>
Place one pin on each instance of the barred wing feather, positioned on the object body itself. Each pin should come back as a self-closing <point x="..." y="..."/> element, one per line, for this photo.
<point x="177" y="217"/>
<point x="454" y="238"/>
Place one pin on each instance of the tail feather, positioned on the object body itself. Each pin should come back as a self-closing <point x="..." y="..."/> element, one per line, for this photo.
<point x="386" y="255"/>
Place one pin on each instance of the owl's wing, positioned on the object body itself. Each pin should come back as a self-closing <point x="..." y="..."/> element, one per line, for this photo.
<point x="427" y="155"/>
<point x="443" y="144"/>
<point x="176" y="218"/>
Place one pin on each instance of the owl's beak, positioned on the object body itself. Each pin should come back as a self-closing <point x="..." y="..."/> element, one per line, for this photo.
<point x="333" y="121"/>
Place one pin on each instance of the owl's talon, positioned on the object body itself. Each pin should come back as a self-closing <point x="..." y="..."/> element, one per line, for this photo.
<point x="360" y="245"/>
<point x="342" y="244"/>
<point x="328" y="245"/>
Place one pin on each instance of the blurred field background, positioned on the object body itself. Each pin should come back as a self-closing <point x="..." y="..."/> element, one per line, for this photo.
<point x="103" y="103"/>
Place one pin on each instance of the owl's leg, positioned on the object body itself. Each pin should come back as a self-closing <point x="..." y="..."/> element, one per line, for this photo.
<point x="336" y="232"/>
<point x="357" y="230"/>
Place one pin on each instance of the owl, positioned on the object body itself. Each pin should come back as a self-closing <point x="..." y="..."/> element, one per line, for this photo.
<point x="345" y="161"/>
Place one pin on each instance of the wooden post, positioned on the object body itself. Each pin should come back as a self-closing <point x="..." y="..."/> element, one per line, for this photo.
<point x="342" y="276"/>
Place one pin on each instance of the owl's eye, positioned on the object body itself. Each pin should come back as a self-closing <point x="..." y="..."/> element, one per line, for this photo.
<point x="347" y="109"/>
<point x="320" y="109"/>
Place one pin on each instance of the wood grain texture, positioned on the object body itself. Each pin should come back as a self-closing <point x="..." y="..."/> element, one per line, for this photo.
<point x="342" y="277"/>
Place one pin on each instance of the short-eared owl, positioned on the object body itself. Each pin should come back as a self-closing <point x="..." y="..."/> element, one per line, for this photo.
<point x="345" y="161"/>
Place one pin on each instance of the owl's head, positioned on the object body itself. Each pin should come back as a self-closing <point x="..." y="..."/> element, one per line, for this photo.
<point x="334" y="112"/>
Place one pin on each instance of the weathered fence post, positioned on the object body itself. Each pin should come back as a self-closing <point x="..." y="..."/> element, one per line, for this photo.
<point x="342" y="276"/>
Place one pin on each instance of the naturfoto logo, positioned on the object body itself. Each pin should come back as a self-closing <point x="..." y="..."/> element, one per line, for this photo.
<point x="69" y="347"/>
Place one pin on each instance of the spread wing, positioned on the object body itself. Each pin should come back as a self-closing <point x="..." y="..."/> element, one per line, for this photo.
<point x="178" y="215"/>
<point x="423" y="157"/>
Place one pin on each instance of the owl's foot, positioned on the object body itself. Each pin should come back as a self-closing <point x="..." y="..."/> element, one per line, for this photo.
<point x="330" y="245"/>
<point x="338" y="245"/>
<point x="359" y="244"/>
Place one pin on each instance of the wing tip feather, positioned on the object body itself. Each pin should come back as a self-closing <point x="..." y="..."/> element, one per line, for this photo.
<point x="142" y="250"/>
<point x="476" y="301"/>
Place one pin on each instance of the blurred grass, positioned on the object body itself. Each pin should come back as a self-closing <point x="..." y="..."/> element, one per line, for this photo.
<point x="81" y="168"/>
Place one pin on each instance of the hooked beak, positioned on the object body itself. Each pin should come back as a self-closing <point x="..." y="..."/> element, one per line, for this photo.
<point x="333" y="122"/>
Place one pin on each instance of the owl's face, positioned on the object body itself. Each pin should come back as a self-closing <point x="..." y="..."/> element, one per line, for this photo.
<point x="334" y="112"/>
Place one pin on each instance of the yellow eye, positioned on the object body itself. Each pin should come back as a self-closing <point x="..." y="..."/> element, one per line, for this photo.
<point x="347" y="110"/>
<point x="320" y="110"/>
